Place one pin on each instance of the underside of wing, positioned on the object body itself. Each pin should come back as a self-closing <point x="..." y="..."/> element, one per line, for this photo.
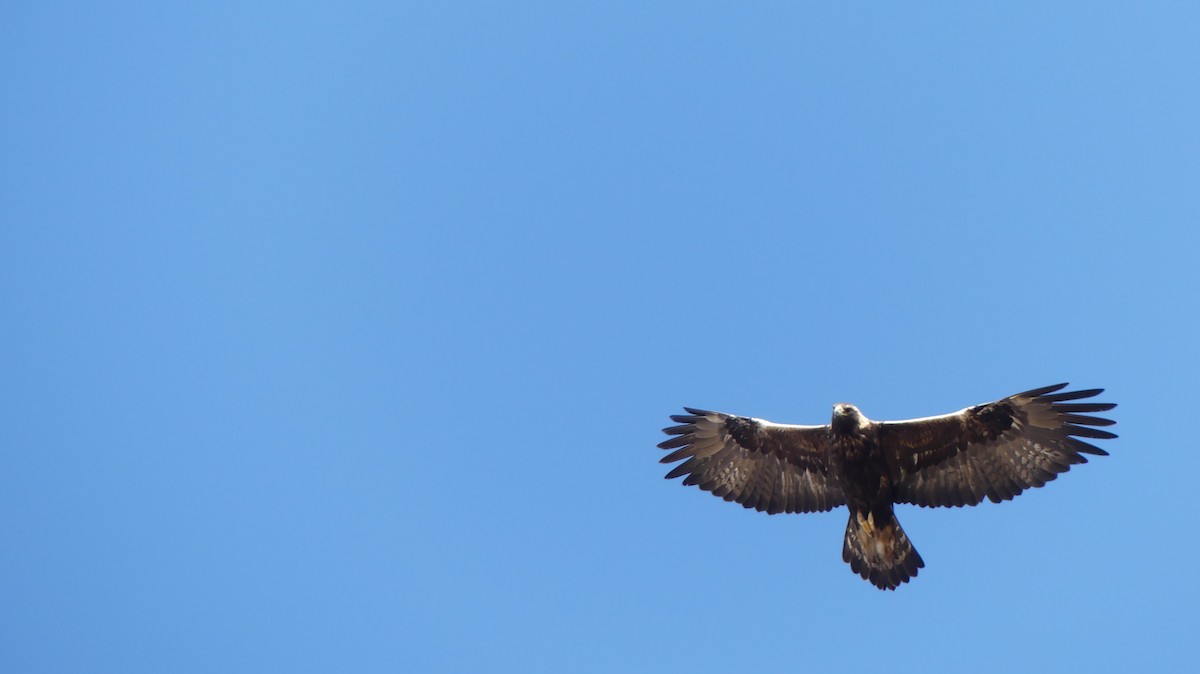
<point x="773" y="468"/>
<point x="996" y="450"/>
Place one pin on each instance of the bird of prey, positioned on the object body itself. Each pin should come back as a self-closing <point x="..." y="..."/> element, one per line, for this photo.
<point x="996" y="450"/>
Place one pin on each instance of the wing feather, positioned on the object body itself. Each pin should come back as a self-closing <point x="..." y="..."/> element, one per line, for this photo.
<point x="769" y="467"/>
<point x="993" y="451"/>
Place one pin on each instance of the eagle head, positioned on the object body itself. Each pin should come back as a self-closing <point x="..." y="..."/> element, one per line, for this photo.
<point x="845" y="410"/>
<point x="847" y="418"/>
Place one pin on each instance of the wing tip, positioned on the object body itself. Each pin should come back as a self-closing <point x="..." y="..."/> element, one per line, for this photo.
<point x="1033" y="393"/>
<point x="1072" y="395"/>
<point x="675" y="441"/>
<point x="1089" y="432"/>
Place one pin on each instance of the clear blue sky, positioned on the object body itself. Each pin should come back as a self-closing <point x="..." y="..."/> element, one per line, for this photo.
<point x="338" y="336"/>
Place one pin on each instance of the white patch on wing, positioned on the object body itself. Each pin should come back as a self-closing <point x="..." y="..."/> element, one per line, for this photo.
<point x="937" y="417"/>
<point x="772" y="424"/>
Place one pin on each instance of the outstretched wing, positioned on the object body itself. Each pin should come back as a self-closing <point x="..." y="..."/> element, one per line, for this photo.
<point x="769" y="467"/>
<point x="996" y="450"/>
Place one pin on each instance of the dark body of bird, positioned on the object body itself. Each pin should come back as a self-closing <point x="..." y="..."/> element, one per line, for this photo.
<point x="995" y="450"/>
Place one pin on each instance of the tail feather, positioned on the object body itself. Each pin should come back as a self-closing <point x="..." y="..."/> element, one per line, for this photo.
<point x="878" y="550"/>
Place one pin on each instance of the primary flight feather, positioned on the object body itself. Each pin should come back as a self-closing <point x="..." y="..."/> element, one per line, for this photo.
<point x="995" y="450"/>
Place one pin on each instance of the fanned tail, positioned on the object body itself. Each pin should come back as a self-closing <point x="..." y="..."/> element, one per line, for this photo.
<point x="878" y="550"/>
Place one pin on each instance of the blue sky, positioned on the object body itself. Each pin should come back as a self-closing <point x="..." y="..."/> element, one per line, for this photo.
<point x="338" y="337"/>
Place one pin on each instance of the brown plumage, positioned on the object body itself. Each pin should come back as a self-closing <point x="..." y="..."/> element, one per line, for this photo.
<point x="995" y="450"/>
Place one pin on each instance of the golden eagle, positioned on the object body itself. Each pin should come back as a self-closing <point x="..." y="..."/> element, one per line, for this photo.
<point x="995" y="450"/>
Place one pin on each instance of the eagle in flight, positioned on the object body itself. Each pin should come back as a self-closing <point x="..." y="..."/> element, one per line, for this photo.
<point x="996" y="450"/>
